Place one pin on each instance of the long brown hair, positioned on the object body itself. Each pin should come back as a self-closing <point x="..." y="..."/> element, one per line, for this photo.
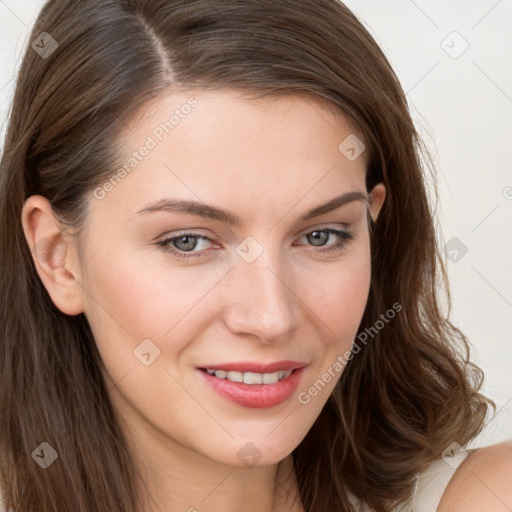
<point x="409" y="392"/>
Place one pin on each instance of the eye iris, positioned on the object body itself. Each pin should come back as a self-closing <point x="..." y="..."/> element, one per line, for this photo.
<point x="186" y="240"/>
<point x="318" y="235"/>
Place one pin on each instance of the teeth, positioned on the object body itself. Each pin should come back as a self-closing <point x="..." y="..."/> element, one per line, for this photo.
<point x="270" y="378"/>
<point x="251" y="377"/>
<point x="233" y="376"/>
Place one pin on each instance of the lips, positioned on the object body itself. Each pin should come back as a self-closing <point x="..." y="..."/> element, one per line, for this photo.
<point x="239" y="382"/>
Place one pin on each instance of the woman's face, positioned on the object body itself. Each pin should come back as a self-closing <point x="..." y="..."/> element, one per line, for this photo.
<point x="270" y="292"/>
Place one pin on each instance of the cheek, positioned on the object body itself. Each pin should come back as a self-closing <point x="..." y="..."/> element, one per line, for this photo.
<point x="343" y="296"/>
<point x="339" y="310"/>
<point x="337" y="293"/>
<point x="129" y="299"/>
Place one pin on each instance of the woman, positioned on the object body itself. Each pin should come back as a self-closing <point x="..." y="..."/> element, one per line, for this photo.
<point x="220" y="272"/>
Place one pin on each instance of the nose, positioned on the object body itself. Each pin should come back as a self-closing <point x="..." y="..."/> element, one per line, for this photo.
<point x="260" y="300"/>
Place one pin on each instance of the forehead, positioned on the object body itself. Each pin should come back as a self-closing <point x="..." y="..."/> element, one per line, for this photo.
<point x="200" y="117"/>
<point x="224" y="146"/>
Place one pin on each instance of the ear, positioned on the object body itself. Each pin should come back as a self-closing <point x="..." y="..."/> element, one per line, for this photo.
<point x="53" y="257"/>
<point x="377" y="197"/>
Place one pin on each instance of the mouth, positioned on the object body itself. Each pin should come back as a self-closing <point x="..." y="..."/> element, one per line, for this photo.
<point x="252" y="372"/>
<point x="250" y="378"/>
<point x="254" y="385"/>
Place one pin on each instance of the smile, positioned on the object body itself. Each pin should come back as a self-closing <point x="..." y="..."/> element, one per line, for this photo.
<point x="254" y="389"/>
<point x="251" y="377"/>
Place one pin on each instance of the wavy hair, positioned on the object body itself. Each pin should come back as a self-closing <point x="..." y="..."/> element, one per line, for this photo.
<point x="399" y="403"/>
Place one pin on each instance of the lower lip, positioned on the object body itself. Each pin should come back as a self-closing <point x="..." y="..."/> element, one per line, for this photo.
<point x="257" y="396"/>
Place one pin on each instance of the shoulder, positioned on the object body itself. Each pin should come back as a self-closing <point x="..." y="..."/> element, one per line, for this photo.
<point x="482" y="482"/>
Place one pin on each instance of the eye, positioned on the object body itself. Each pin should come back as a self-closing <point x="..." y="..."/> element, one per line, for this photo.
<point x="184" y="246"/>
<point x="320" y="236"/>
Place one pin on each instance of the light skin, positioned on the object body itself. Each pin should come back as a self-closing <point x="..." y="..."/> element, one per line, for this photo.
<point x="482" y="482"/>
<point x="269" y="161"/>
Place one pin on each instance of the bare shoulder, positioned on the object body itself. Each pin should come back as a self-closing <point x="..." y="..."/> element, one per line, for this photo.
<point x="482" y="482"/>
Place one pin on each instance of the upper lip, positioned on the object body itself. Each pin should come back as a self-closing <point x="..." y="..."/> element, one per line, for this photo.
<point x="255" y="367"/>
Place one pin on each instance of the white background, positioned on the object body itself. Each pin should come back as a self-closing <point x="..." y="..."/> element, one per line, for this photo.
<point x="463" y="108"/>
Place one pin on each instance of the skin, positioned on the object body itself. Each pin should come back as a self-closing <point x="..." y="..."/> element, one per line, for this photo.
<point x="482" y="482"/>
<point x="269" y="161"/>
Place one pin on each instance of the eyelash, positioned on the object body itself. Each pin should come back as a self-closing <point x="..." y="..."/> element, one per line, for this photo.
<point x="344" y="237"/>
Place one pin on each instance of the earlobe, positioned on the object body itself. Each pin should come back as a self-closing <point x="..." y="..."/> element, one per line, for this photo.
<point x="52" y="254"/>
<point x="377" y="198"/>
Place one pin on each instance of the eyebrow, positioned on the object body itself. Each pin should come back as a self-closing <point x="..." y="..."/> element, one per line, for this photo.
<point x="215" y="213"/>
